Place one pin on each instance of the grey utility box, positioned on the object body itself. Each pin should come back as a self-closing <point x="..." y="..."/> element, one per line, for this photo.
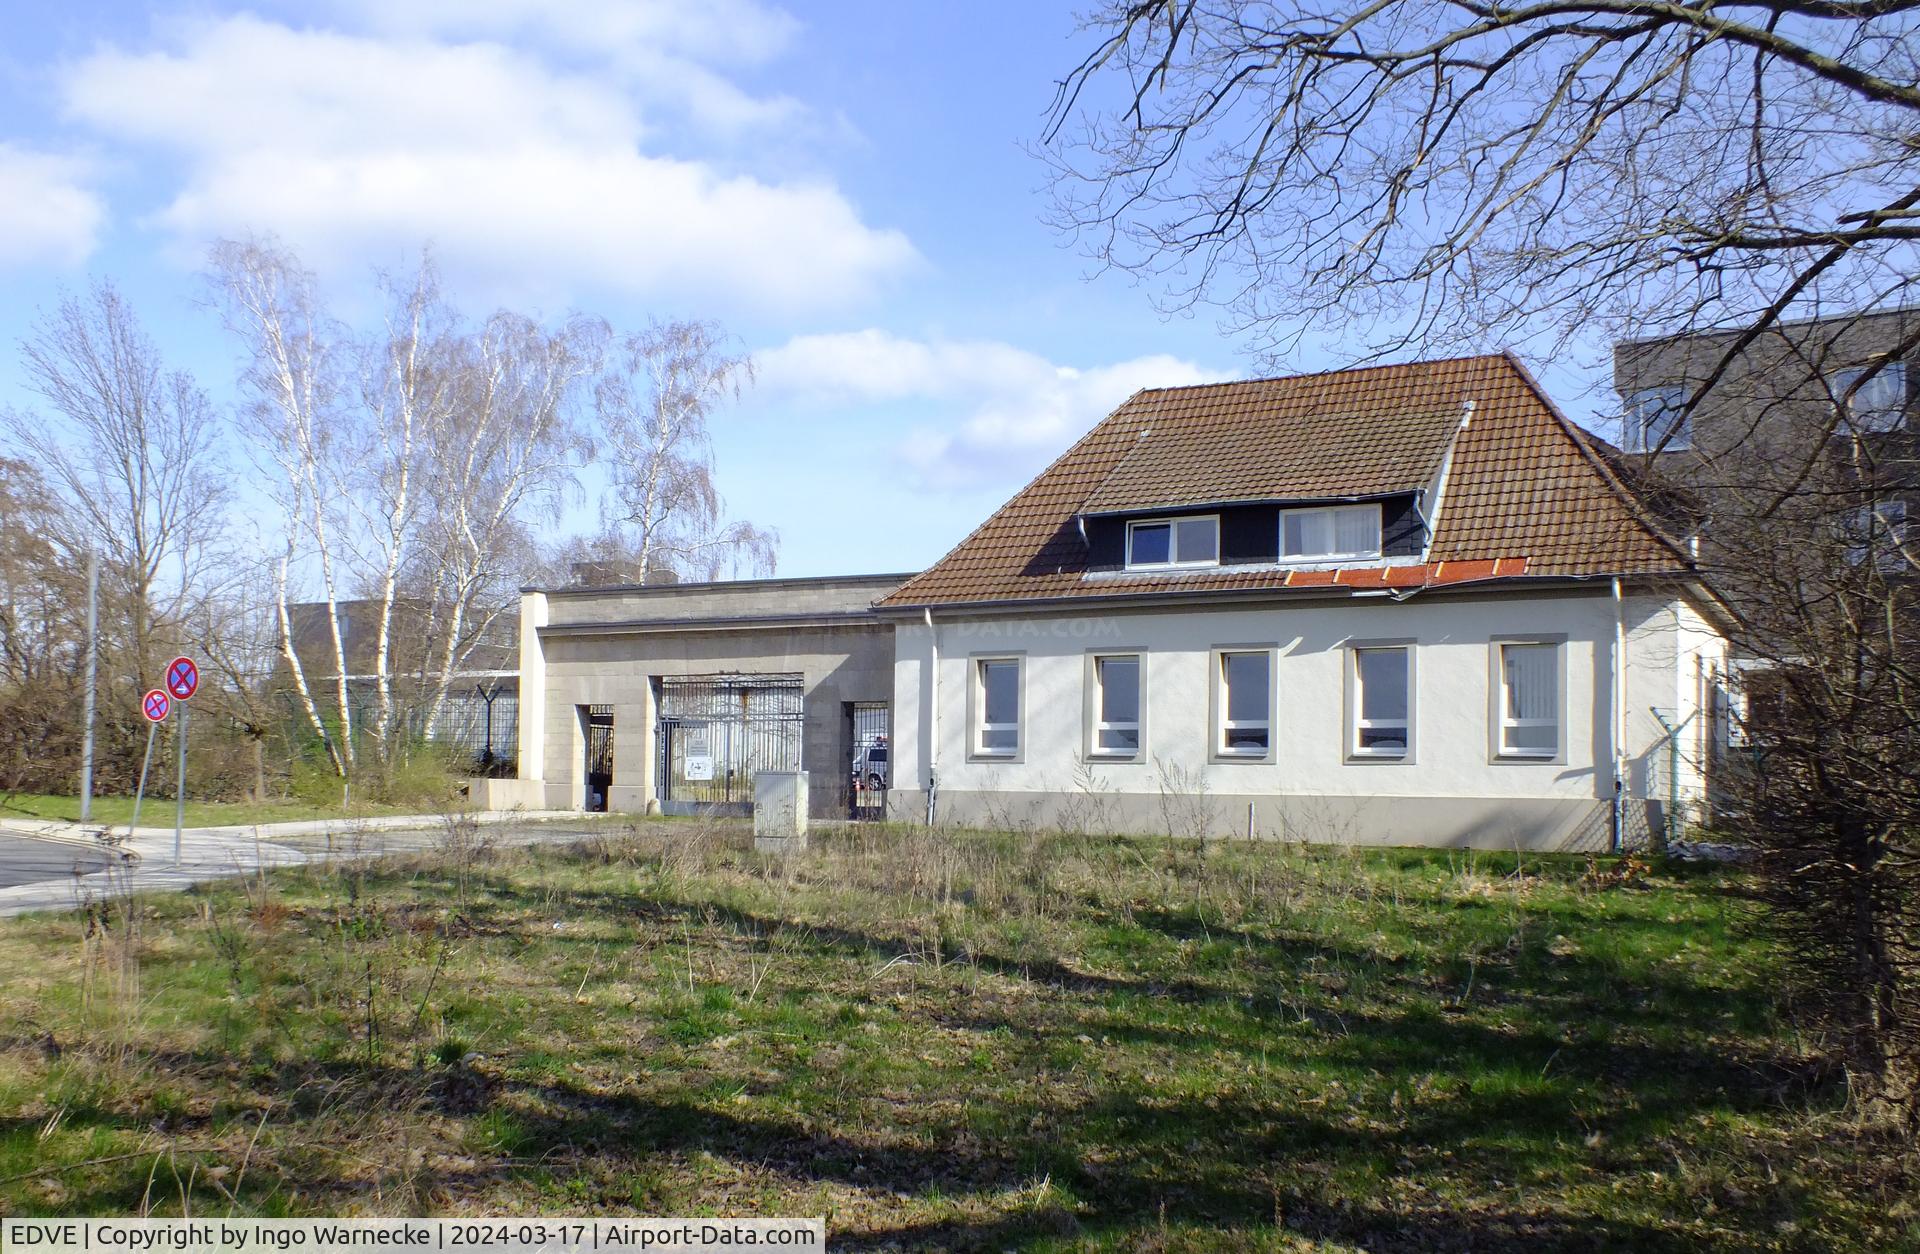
<point x="780" y="811"/>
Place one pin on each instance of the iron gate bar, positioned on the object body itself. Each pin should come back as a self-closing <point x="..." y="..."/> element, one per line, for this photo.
<point x="739" y="724"/>
<point x="870" y="769"/>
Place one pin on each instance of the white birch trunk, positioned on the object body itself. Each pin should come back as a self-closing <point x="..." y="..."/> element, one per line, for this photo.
<point x="292" y="659"/>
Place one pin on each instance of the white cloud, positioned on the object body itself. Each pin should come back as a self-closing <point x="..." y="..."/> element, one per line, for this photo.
<point x="664" y="50"/>
<point x="986" y="411"/>
<point x="714" y="31"/>
<point x="350" y="146"/>
<point x="48" y="214"/>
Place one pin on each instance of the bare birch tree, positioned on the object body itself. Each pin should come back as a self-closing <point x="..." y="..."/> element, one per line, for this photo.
<point x="408" y="397"/>
<point x="292" y="377"/>
<point x="413" y="461"/>
<point x="652" y="408"/>
<point x="501" y="459"/>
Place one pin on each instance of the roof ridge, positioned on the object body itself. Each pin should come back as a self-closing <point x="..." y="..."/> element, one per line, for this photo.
<point x="1025" y="488"/>
<point x="1321" y="374"/>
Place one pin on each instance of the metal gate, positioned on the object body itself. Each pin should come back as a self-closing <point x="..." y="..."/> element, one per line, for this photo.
<point x="870" y="771"/>
<point x="717" y="731"/>
<point x="599" y="755"/>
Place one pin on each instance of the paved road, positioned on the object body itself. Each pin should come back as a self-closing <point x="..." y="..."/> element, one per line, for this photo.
<point x="24" y="860"/>
<point x="41" y="874"/>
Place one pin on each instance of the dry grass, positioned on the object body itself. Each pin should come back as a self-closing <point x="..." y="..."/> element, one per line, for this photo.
<point x="946" y="1041"/>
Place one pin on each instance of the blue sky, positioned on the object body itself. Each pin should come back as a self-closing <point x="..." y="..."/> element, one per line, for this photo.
<point x="846" y="186"/>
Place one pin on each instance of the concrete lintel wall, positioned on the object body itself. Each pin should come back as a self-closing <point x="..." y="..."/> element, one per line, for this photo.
<point x="745" y="599"/>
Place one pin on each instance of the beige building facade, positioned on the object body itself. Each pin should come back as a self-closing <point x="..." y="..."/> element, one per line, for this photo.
<point x="668" y="698"/>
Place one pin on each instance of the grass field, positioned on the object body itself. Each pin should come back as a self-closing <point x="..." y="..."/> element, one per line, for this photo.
<point x="950" y="1042"/>
<point x="159" y="811"/>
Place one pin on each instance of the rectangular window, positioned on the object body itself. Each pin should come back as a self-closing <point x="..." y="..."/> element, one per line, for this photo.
<point x="1530" y="700"/>
<point x="997" y="706"/>
<point x="1116" y="705"/>
<point x="1876" y="533"/>
<point x="1165" y="542"/>
<point x="1245" y="703"/>
<point x="1340" y="531"/>
<point x="1876" y="402"/>
<point x="1382" y="702"/>
<point x="1657" y="421"/>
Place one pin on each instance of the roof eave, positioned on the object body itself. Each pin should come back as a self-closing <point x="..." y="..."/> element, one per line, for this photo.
<point x="1330" y="592"/>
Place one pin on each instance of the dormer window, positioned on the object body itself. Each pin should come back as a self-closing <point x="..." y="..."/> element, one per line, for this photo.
<point x="1330" y="533"/>
<point x="1164" y="543"/>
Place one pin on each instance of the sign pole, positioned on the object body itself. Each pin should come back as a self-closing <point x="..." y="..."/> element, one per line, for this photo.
<point x="180" y="788"/>
<point x="93" y="655"/>
<point x="183" y="679"/>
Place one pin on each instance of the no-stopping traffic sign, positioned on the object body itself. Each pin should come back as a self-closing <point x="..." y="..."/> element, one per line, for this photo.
<point x="155" y="705"/>
<point x="182" y="678"/>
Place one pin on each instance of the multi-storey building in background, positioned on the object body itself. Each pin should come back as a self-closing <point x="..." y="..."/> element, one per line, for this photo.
<point x="1802" y="442"/>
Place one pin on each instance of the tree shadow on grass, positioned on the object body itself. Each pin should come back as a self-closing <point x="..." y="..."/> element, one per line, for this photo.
<point x="1133" y="1159"/>
<point x="1219" y="1167"/>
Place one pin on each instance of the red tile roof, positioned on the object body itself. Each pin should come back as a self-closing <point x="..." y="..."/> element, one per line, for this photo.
<point x="1525" y="495"/>
<point x="1211" y="445"/>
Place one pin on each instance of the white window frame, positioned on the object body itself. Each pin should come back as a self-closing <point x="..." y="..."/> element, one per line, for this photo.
<point x="1096" y="724"/>
<point x="1670" y="398"/>
<point x="1173" y="530"/>
<point x="1219" y="722"/>
<point x="1373" y="554"/>
<point x="1499" y="722"/>
<point x="977" y="726"/>
<point x="1355" y="692"/>
<point x="1874" y="423"/>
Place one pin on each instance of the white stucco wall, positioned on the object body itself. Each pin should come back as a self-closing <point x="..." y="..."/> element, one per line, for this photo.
<point x="1453" y="753"/>
<point x="1676" y="655"/>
